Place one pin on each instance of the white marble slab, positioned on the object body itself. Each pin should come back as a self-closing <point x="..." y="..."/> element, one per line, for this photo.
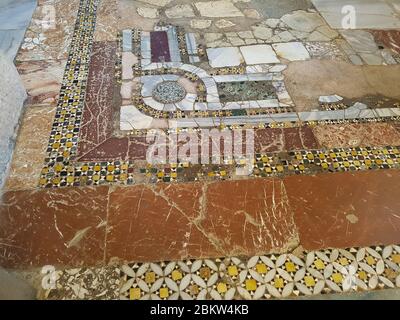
<point x="145" y="46"/>
<point x="231" y="78"/>
<point x="154" y="104"/>
<point x="224" y="57"/>
<point x="259" y="54"/>
<point x="131" y="118"/>
<point x="292" y="51"/>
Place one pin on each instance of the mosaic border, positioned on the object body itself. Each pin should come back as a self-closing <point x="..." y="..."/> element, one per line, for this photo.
<point x="259" y="277"/>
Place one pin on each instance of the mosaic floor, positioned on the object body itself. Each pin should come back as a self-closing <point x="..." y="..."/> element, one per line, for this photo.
<point x="321" y="102"/>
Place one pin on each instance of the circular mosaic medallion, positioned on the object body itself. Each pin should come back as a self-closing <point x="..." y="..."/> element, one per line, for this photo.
<point x="169" y="92"/>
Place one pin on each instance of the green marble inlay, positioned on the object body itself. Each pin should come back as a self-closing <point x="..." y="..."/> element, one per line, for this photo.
<point x="246" y="91"/>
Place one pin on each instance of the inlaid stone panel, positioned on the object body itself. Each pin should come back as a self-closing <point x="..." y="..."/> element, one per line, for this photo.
<point x="246" y="91"/>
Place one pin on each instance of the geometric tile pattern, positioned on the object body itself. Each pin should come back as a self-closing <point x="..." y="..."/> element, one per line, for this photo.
<point x="274" y="164"/>
<point x="264" y="165"/>
<point x="65" y="131"/>
<point x="258" y="277"/>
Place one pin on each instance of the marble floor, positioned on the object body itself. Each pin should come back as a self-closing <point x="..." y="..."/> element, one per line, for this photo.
<point x="310" y="211"/>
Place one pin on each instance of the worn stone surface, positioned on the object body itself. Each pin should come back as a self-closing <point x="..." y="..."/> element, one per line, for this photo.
<point x="357" y="135"/>
<point x="200" y="23"/>
<point x="107" y="21"/>
<point x="388" y="38"/>
<point x="49" y="43"/>
<point x="150" y="13"/>
<point x="30" y="148"/>
<point x="223" y="23"/>
<point x="306" y="81"/>
<point x="278" y="8"/>
<point x="218" y="9"/>
<point x="158" y="3"/>
<point x="42" y="79"/>
<point x="15" y="288"/>
<point x="303" y="21"/>
<point x="370" y="14"/>
<point x="180" y="11"/>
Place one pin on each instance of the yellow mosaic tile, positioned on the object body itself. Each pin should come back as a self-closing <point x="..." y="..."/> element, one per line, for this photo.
<point x="135" y="293"/>
<point x="251" y="285"/>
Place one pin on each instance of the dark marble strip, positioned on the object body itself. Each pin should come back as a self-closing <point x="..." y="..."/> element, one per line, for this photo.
<point x="159" y="47"/>
<point x="97" y="118"/>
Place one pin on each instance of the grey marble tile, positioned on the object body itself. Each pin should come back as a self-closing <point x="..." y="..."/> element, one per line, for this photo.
<point x="10" y="41"/>
<point x="360" y="40"/>
<point x="194" y="59"/>
<point x="127" y="40"/>
<point x="191" y="43"/>
<point x="173" y="45"/>
<point x="12" y="97"/>
<point x="278" y="8"/>
<point x="16" y="14"/>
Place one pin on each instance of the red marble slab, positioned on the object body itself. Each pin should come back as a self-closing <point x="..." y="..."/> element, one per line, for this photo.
<point x="286" y="139"/>
<point x="300" y="138"/>
<point x="60" y="227"/>
<point x="197" y="220"/>
<point x="346" y="209"/>
<point x="159" y="47"/>
<point x="97" y="117"/>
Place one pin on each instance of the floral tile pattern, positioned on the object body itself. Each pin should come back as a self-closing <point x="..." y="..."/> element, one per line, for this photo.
<point x="258" y="277"/>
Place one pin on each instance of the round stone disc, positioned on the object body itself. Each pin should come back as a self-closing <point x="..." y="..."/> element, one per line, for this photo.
<point x="169" y="92"/>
